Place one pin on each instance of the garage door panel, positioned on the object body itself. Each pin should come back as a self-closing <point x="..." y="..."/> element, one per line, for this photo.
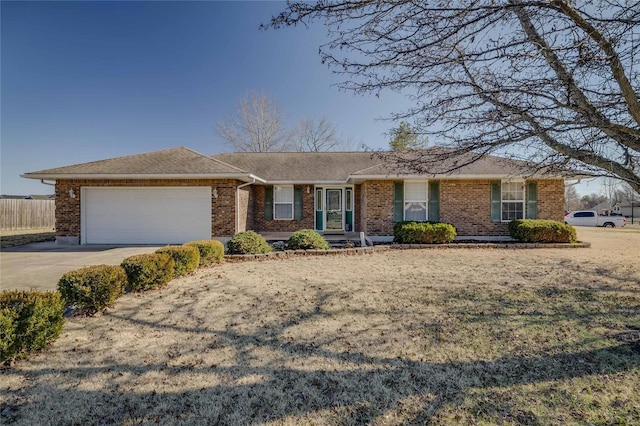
<point x="146" y="215"/>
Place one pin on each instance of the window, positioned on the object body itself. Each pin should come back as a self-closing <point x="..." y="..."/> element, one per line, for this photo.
<point x="319" y="199"/>
<point x="512" y="200"/>
<point x="415" y="201"/>
<point x="584" y="214"/>
<point x="349" y="199"/>
<point x="283" y="202"/>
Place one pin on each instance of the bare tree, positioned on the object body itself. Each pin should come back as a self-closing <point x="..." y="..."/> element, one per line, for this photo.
<point x="571" y="198"/>
<point x="317" y="135"/>
<point x="554" y="82"/>
<point x="610" y="187"/>
<point x="256" y="126"/>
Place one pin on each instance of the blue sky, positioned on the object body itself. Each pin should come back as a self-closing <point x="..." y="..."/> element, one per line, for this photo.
<point x="83" y="81"/>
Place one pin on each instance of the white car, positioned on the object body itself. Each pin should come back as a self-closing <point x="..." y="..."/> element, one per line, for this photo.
<point x="591" y="218"/>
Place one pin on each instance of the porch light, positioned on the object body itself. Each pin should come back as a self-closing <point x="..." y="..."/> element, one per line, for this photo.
<point x="72" y="194"/>
<point x="308" y="189"/>
<point x="215" y="192"/>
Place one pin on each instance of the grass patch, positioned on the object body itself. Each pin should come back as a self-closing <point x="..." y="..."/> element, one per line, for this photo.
<point x="400" y="337"/>
<point x="12" y="238"/>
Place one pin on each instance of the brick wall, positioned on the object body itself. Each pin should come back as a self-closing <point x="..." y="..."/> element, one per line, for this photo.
<point x="377" y="207"/>
<point x="466" y="204"/>
<point x="68" y="209"/>
<point x="551" y="199"/>
<point x="262" y="225"/>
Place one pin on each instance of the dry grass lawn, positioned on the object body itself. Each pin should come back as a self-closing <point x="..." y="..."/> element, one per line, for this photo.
<point x="450" y="336"/>
<point x="19" y="237"/>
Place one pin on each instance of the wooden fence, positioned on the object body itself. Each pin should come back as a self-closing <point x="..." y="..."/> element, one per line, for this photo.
<point x="25" y="214"/>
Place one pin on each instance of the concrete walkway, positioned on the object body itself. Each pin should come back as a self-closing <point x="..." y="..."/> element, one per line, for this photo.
<point x="40" y="265"/>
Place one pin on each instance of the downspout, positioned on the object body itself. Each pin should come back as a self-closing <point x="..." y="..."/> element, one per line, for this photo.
<point x="238" y="188"/>
<point x="47" y="183"/>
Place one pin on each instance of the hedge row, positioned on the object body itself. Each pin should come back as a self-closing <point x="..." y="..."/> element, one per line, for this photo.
<point x="30" y="320"/>
<point x="542" y="231"/>
<point x="423" y="233"/>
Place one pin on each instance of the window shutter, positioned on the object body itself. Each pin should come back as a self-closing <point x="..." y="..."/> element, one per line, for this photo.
<point x="496" y="202"/>
<point x="434" y="202"/>
<point x="532" y="200"/>
<point x="268" y="203"/>
<point x="398" y="201"/>
<point x="297" y="203"/>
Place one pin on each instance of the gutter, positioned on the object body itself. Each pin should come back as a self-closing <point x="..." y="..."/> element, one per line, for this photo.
<point x="115" y="176"/>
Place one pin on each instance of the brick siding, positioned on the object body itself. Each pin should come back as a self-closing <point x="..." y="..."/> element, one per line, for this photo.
<point x="377" y="207"/>
<point x="551" y="199"/>
<point x="260" y="224"/>
<point x="466" y="204"/>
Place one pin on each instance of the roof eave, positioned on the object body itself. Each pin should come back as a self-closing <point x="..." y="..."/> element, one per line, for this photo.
<point x="306" y="182"/>
<point x="451" y="177"/>
<point x="247" y="177"/>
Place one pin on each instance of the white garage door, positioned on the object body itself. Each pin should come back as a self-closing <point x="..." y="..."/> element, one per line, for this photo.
<point x="146" y="215"/>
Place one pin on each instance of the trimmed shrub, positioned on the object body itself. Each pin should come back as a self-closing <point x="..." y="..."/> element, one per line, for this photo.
<point x="542" y="231"/>
<point x="423" y="233"/>
<point x="147" y="271"/>
<point x="29" y="321"/>
<point x="248" y="242"/>
<point x="186" y="258"/>
<point x="211" y="251"/>
<point x="307" y="239"/>
<point x="93" y="288"/>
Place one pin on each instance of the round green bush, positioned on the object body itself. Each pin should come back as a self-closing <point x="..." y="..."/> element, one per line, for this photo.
<point x="248" y="242"/>
<point x="211" y="251"/>
<point x="423" y="233"/>
<point x="29" y="321"/>
<point x="542" y="231"/>
<point x="307" y="239"/>
<point x="147" y="271"/>
<point x="93" y="288"/>
<point x="187" y="258"/>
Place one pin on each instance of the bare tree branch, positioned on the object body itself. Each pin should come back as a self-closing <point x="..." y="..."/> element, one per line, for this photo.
<point x="317" y="135"/>
<point x="552" y="82"/>
<point x="256" y="126"/>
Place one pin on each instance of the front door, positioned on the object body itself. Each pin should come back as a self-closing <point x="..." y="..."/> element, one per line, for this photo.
<point x="334" y="211"/>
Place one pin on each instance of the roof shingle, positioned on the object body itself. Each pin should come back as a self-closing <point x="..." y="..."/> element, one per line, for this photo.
<point x="175" y="161"/>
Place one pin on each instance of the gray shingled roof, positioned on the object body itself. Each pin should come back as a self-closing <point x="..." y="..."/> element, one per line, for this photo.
<point x="436" y="161"/>
<point x="281" y="166"/>
<point x="340" y="166"/>
<point x="175" y="161"/>
<point x="301" y="166"/>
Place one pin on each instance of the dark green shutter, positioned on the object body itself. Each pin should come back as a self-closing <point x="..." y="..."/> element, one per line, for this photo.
<point x="532" y="200"/>
<point x="496" y="202"/>
<point x="398" y="201"/>
<point x="434" y="201"/>
<point x="268" y="203"/>
<point x="297" y="203"/>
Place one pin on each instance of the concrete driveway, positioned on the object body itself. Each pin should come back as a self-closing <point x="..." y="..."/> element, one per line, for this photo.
<point x="40" y="265"/>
